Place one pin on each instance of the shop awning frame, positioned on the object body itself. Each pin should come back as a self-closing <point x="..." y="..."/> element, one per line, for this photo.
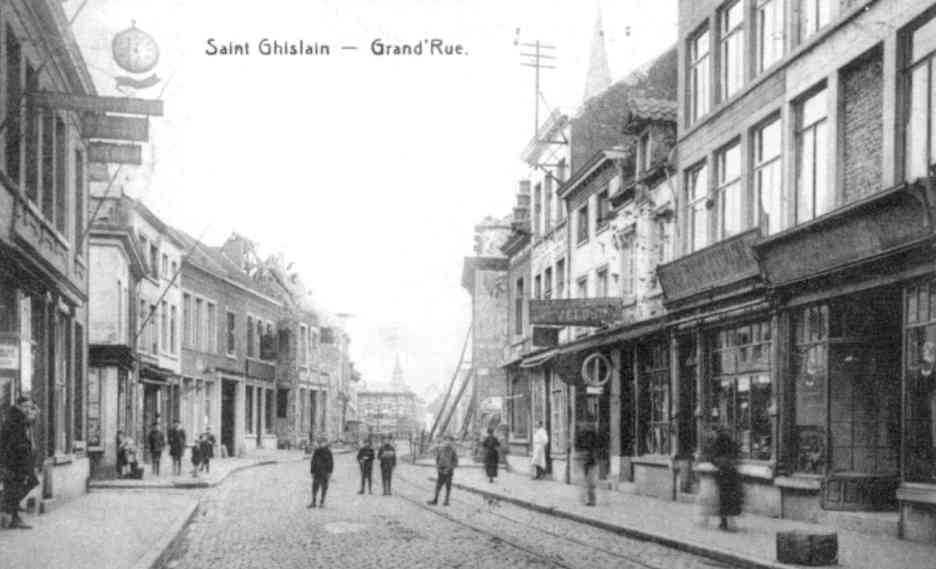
<point x="614" y="335"/>
<point x="539" y="359"/>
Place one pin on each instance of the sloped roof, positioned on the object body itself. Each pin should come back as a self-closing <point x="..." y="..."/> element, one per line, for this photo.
<point x="652" y="109"/>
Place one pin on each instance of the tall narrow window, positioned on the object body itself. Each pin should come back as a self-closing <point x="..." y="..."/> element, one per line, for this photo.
<point x="767" y="177"/>
<point x="48" y="165"/>
<point x="581" y="224"/>
<point x="231" y="331"/>
<point x="643" y="153"/>
<point x="728" y="191"/>
<point x="813" y="194"/>
<point x="33" y="118"/>
<point x="601" y="283"/>
<point x="79" y="202"/>
<point x="697" y="200"/>
<point x="250" y="337"/>
<point x="732" y="49"/>
<point x="604" y="210"/>
<point x="627" y="265"/>
<point x="518" y="307"/>
<point x="211" y="331"/>
<point x="537" y="209"/>
<point x="197" y="323"/>
<point x="187" y="320"/>
<point x="814" y="14"/>
<point x="142" y="336"/>
<point x="549" y="196"/>
<point x="547" y="283"/>
<point x="61" y="182"/>
<point x="154" y="330"/>
<point x="581" y="286"/>
<point x="538" y="287"/>
<point x="79" y="430"/>
<point x="699" y="75"/>
<point x="921" y="115"/>
<point x="770" y="33"/>
<point x="560" y="278"/>
<point x="173" y="323"/>
<point x="14" y="92"/>
<point x="164" y="324"/>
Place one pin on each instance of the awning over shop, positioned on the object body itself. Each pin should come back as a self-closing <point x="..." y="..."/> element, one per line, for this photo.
<point x="539" y="359"/>
<point x="569" y="357"/>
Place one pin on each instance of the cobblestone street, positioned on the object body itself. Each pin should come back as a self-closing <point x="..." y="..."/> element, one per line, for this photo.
<point x="259" y="518"/>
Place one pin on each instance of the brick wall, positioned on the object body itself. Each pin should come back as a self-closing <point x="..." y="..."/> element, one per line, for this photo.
<point x="862" y="126"/>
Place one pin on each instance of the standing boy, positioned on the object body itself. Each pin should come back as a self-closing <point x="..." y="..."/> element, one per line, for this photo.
<point x="321" y="467"/>
<point x="446" y="461"/>
<point x="387" y="457"/>
<point x="176" y="446"/>
<point x="157" y="442"/>
<point x="365" y="458"/>
<point x="207" y="449"/>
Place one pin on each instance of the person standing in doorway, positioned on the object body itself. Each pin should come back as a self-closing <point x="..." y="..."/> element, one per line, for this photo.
<point x="365" y="458"/>
<point x="18" y="458"/>
<point x="156" y="442"/>
<point x="207" y="449"/>
<point x="176" y="446"/>
<point x="321" y="468"/>
<point x="446" y="462"/>
<point x="538" y="460"/>
<point x="387" y="457"/>
<point x="491" y="455"/>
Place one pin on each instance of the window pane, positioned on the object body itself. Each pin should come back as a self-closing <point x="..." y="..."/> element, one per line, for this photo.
<point x="732" y="216"/>
<point x="770" y="27"/>
<point x="825" y="200"/>
<point x="924" y="40"/>
<point x="916" y="123"/>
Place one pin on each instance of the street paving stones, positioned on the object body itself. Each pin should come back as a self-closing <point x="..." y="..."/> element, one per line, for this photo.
<point x="259" y="519"/>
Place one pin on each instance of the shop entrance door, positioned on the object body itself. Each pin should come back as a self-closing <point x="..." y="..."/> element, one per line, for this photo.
<point x="228" y="401"/>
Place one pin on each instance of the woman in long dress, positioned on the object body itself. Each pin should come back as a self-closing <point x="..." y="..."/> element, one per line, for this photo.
<point x="538" y="460"/>
<point x="723" y="453"/>
<point x="491" y="455"/>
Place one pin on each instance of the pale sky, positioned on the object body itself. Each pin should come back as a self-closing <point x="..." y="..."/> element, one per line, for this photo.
<point x="368" y="172"/>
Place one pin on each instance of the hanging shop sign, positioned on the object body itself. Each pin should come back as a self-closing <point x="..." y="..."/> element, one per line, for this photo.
<point x="576" y="311"/>
<point x="110" y="153"/>
<point x="545" y="337"/>
<point x="133" y="129"/>
<point x="596" y="371"/>
<point x="100" y="105"/>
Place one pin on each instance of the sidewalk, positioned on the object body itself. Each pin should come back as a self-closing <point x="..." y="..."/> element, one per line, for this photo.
<point x="121" y="524"/>
<point x="676" y="524"/>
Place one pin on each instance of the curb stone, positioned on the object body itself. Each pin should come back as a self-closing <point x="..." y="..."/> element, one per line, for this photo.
<point x="729" y="557"/>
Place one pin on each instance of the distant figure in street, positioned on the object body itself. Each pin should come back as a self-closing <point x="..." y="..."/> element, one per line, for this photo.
<point x="491" y="455"/>
<point x="18" y="458"/>
<point x="207" y="445"/>
<point x="723" y="454"/>
<point x="121" y="454"/>
<point x="588" y="446"/>
<point x="196" y="455"/>
<point x="176" y="446"/>
<point x="538" y="460"/>
<point x="446" y="462"/>
<point x="387" y="457"/>
<point x="156" y="442"/>
<point x="365" y="458"/>
<point x="321" y="468"/>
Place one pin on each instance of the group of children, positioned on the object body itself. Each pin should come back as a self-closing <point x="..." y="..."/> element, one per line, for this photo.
<point x="202" y="451"/>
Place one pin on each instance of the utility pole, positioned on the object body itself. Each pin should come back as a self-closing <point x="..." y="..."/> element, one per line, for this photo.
<point x="540" y="58"/>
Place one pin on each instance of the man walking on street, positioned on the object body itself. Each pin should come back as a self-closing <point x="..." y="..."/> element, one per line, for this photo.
<point x="17" y="458"/>
<point x="176" y="447"/>
<point x="157" y="442"/>
<point x="365" y="458"/>
<point x="387" y="457"/>
<point x="446" y="461"/>
<point x="321" y="467"/>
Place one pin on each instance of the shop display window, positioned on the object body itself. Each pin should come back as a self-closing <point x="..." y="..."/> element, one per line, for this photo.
<point x="920" y="419"/>
<point x="740" y="386"/>
<point x="654" y="436"/>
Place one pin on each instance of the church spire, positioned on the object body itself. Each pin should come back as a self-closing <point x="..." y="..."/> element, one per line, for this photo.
<point x="599" y="74"/>
<point x="398" y="373"/>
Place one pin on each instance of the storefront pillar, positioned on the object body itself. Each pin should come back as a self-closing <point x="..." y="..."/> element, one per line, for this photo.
<point x="701" y="369"/>
<point x="615" y="419"/>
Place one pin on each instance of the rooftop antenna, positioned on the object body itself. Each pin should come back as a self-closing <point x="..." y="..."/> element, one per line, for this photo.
<point x="538" y="56"/>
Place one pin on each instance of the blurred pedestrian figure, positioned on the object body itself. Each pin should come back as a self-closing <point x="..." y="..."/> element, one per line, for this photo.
<point x="723" y="454"/>
<point x="18" y="458"/>
<point x="196" y="455"/>
<point x="156" y="442"/>
<point x="365" y="458"/>
<point x="491" y="455"/>
<point x="387" y="457"/>
<point x="121" y="454"/>
<point x="538" y="460"/>
<point x="321" y="468"/>
<point x="587" y="444"/>
<point x="176" y="446"/>
<point x="446" y="462"/>
<point x="206" y="448"/>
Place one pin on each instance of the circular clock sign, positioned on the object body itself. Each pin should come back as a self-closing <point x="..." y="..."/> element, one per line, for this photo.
<point x="135" y="50"/>
<point x="596" y="370"/>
